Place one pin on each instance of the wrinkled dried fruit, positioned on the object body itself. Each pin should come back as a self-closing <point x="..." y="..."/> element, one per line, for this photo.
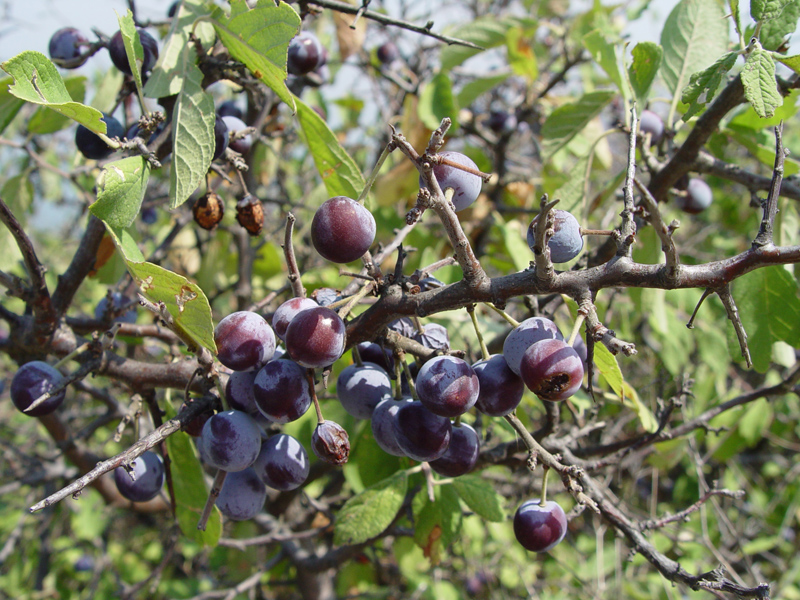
<point x="208" y="211"/>
<point x="331" y="443"/>
<point x="250" y="214"/>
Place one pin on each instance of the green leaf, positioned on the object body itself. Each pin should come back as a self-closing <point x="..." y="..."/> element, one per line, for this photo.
<point x="521" y="57"/>
<point x="793" y="62"/>
<point x="185" y="301"/>
<point x="486" y="32"/>
<point x="133" y="47"/>
<point x="516" y="246"/>
<point x="565" y="122"/>
<point x="703" y="84"/>
<point x="46" y="121"/>
<point x="761" y="544"/>
<point x="607" y="366"/>
<point x="762" y="149"/>
<point x="167" y="76"/>
<point x="604" y="53"/>
<point x="18" y="192"/>
<point x="736" y="16"/>
<point x="438" y="523"/>
<point x="474" y="89"/>
<point x="37" y="80"/>
<point x="260" y="38"/>
<point x="755" y="421"/>
<point x="481" y="497"/>
<point x="369" y="513"/>
<point x="571" y="192"/>
<point x="646" y="61"/>
<point x="767" y="10"/>
<point x="338" y="170"/>
<point x="774" y="32"/>
<point x="9" y="105"/>
<point x="436" y="101"/>
<point x="769" y="306"/>
<point x="760" y="87"/>
<point x="192" y="133"/>
<point x="694" y="35"/>
<point x="121" y="188"/>
<point x="188" y="481"/>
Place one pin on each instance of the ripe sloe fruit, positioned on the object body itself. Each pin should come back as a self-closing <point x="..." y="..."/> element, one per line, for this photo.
<point x="466" y="186"/>
<point x="698" y="197"/>
<point x="34" y="379"/>
<point x="91" y="145"/>
<point x="148" y="477"/>
<point x="342" y="230"/>
<point x="566" y="242"/>
<point x="540" y="528"/>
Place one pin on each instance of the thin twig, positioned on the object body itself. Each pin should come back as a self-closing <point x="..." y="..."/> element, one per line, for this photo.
<point x="764" y="237"/>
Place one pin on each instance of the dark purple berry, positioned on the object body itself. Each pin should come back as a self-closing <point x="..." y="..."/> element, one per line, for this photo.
<point x="500" y="388"/>
<point x="539" y="528"/>
<point x="230" y="108"/>
<point x="566" y="242"/>
<point x="244" y="341"/>
<point x="91" y="145"/>
<point x="420" y="434"/>
<point x="501" y="121"/>
<point x="66" y="46"/>
<point x="147" y="479"/>
<point x="315" y="337"/>
<point x="240" y="145"/>
<point x="360" y="388"/>
<point x="698" y="197"/>
<point x="282" y="391"/>
<point x="242" y="495"/>
<point x="466" y="186"/>
<point x="287" y="311"/>
<point x="230" y="441"/>
<point x="342" y="230"/>
<point x="461" y="454"/>
<point x="32" y="380"/>
<point x="552" y="370"/>
<point x="331" y="443"/>
<point x="383" y="424"/>
<point x="305" y="54"/>
<point x="282" y="463"/>
<point x="447" y="386"/>
<point x="239" y="391"/>
<point x="376" y="354"/>
<point x="524" y="336"/>
<point x="387" y="53"/>
<point x="116" y="49"/>
<point x="651" y="123"/>
<point x="118" y="301"/>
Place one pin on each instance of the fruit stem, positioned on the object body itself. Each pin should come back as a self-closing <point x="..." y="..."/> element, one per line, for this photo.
<point x="428" y="472"/>
<point x="71" y="355"/>
<point x="576" y="328"/>
<point x="596" y="231"/>
<point x="312" y="384"/>
<point x="357" y="356"/>
<point x="502" y="313"/>
<point x="410" y="381"/>
<point x="291" y="262"/>
<point x="216" y="487"/>
<point x="374" y="175"/>
<point x="544" y="485"/>
<point x="481" y="341"/>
